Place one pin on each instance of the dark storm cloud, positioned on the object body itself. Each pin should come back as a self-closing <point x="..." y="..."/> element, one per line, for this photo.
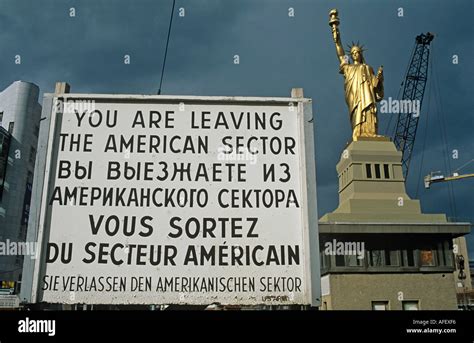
<point x="88" y="50"/>
<point x="276" y="52"/>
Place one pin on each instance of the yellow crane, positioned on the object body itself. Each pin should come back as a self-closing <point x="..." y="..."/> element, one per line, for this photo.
<point x="435" y="177"/>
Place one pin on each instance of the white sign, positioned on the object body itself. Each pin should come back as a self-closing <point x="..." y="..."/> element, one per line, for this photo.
<point x="178" y="200"/>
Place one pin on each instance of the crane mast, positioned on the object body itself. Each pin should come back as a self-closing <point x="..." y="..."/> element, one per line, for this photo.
<point x="413" y="90"/>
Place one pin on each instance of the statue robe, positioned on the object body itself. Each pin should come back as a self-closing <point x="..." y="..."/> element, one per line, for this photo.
<point x="362" y="91"/>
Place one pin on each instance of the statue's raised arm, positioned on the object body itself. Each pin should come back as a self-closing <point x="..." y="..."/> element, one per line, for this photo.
<point x="336" y="35"/>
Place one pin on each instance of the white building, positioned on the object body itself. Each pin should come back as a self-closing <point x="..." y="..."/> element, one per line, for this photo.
<point x="20" y="115"/>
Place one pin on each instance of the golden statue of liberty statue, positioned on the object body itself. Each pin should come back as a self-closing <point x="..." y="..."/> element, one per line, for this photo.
<point x="362" y="88"/>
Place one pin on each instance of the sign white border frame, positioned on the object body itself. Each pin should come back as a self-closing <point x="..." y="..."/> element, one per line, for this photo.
<point x="39" y="220"/>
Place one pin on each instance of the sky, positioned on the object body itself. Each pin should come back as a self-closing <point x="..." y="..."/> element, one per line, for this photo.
<point x="276" y="52"/>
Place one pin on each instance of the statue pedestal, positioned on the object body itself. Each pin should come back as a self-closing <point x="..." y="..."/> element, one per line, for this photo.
<point x="372" y="186"/>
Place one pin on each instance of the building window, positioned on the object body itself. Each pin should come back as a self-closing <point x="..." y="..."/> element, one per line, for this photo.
<point x="440" y="253"/>
<point x="368" y="171"/>
<point x="10" y="127"/>
<point x="391" y="258"/>
<point x="380" y="306"/>
<point x="376" y="258"/>
<point x="377" y="171"/>
<point x="448" y="253"/>
<point x="324" y="260"/>
<point x="32" y="155"/>
<point x="340" y="262"/>
<point x="4" y="148"/>
<point x="353" y="261"/>
<point x="1" y="118"/>
<point x="408" y="259"/>
<point x="427" y="258"/>
<point x="386" y="171"/>
<point x="410" y="305"/>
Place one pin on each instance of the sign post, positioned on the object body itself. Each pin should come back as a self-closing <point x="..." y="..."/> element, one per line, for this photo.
<point x="178" y="200"/>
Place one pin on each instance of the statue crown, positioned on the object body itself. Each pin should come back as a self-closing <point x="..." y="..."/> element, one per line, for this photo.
<point x="356" y="47"/>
